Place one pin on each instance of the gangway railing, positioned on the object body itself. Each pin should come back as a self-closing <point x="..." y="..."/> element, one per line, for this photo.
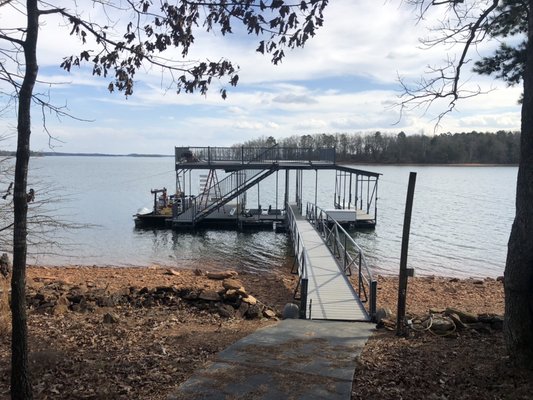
<point x="347" y="252"/>
<point x="302" y="258"/>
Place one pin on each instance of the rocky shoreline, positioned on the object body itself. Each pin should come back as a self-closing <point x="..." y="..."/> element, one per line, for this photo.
<point x="121" y="333"/>
<point x="229" y="300"/>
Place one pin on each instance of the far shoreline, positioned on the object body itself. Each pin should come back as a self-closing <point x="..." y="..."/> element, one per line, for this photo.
<point x="37" y="154"/>
<point x="432" y="165"/>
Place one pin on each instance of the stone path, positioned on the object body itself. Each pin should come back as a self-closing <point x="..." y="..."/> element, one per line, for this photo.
<point x="295" y="359"/>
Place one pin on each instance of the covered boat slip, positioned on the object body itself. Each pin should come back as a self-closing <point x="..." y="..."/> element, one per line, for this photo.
<point x="244" y="168"/>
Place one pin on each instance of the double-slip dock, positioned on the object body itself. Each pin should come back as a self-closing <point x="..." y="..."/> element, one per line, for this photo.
<point x="220" y="187"/>
<point x="335" y="282"/>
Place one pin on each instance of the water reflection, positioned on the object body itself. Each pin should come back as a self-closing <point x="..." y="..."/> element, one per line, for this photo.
<point x="216" y="249"/>
<point x="461" y="218"/>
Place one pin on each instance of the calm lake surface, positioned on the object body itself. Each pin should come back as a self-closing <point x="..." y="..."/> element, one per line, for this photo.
<point x="462" y="217"/>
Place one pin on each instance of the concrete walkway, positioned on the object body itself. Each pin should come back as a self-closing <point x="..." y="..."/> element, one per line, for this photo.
<point x="295" y="359"/>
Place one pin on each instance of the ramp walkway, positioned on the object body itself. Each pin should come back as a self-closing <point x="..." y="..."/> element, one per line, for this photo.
<point x="330" y="295"/>
<point x="294" y="359"/>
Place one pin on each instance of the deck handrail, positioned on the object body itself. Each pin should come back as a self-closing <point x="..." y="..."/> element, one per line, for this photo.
<point x="302" y="257"/>
<point x="347" y="251"/>
<point x="244" y="155"/>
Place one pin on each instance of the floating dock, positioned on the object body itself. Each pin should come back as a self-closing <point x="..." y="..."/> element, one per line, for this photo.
<point x="223" y="202"/>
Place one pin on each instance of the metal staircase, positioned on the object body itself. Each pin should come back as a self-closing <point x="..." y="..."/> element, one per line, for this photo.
<point x="226" y="190"/>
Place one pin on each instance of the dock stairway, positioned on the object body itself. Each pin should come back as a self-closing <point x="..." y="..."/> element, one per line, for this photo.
<point x="233" y="185"/>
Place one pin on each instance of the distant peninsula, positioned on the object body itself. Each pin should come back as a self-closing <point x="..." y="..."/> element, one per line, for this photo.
<point x="5" y="153"/>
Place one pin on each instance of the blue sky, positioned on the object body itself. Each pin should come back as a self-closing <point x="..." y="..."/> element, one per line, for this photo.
<point x="344" y="80"/>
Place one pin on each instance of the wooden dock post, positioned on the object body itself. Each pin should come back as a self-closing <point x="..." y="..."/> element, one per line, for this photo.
<point x="402" y="284"/>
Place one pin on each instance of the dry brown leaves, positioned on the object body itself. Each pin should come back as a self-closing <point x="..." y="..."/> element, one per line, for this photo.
<point x="5" y="313"/>
<point x="466" y="365"/>
<point x="143" y="356"/>
<point x="152" y="350"/>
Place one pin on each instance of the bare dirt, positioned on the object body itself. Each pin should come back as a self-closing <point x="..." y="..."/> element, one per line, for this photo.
<point x="138" y="337"/>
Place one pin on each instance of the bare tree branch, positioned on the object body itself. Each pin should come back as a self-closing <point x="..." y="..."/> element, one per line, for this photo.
<point x="467" y="28"/>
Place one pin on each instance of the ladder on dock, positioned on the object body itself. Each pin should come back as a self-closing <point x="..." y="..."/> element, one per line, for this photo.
<point x="325" y="260"/>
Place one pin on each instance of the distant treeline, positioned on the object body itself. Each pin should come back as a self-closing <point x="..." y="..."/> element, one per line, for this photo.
<point x="458" y="148"/>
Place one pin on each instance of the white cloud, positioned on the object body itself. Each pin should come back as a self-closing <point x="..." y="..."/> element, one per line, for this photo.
<point x="343" y="80"/>
<point x="291" y="98"/>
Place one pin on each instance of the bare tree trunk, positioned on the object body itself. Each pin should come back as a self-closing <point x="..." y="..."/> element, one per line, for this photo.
<point x="518" y="328"/>
<point x="20" y="379"/>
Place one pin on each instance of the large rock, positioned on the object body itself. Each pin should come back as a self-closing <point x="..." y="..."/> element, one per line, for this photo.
<point x="80" y="306"/>
<point x="442" y="325"/>
<point x="209" y="295"/>
<point x="76" y="298"/>
<point x="230" y="284"/>
<point x="45" y="307"/>
<point x="231" y="294"/>
<point x="110" y="318"/>
<point x="226" y="311"/>
<point x="268" y="313"/>
<point x="221" y="275"/>
<point x="254" y="311"/>
<point x="250" y="300"/>
<point x="457" y="321"/>
<point x="61" y="306"/>
<point x="105" y="301"/>
<point x="242" y="310"/>
<point x="291" y="311"/>
<point x="188" y="294"/>
<point x="383" y="313"/>
<point x="173" y="272"/>
<point x="465" y="317"/>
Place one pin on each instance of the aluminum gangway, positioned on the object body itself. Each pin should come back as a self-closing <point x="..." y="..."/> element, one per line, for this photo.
<point x="326" y="258"/>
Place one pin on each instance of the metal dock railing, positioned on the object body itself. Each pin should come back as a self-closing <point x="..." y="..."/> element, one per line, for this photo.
<point x="325" y="289"/>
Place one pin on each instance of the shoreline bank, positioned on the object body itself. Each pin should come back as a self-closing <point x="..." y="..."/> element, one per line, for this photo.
<point x="152" y="347"/>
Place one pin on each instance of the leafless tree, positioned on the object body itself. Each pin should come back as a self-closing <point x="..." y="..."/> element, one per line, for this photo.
<point x="464" y="25"/>
<point x="145" y="34"/>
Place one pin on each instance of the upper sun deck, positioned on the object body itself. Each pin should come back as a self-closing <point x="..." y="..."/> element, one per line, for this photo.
<point x="231" y="158"/>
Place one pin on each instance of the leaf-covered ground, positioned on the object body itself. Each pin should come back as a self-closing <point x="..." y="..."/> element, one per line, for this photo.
<point x="150" y="347"/>
<point x="467" y="364"/>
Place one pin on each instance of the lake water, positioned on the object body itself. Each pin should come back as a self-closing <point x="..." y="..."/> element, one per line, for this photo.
<point x="461" y="221"/>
